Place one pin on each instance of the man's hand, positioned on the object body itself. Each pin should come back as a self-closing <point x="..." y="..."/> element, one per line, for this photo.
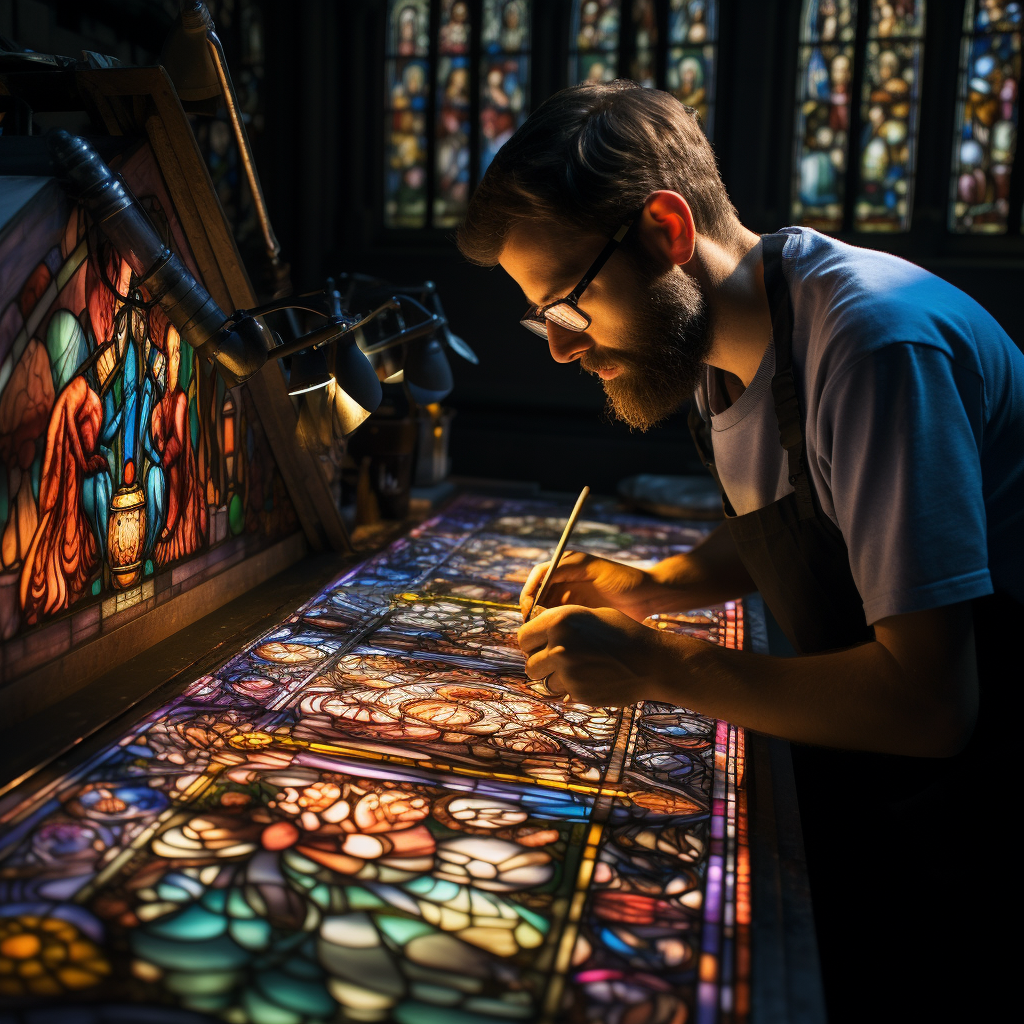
<point x="592" y="582"/>
<point x="599" y="656"/>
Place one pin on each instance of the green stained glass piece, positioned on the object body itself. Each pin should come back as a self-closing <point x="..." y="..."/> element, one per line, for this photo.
<point x="420" y="886"/>
<point x="423" y="1013"/>
<point x="219" y="954"/>
<point x="437" y="994"/>
<point x="174" y="893"/>
<point x="215" y="900"/>
<point x="237" y="906"/>
<point x="321" y="896"/>
<point x="253" y="934"/>
<point x="532" y="917"/>
<point x="66" y="346"/>
<point x="205" y="1004"/>
<point x="192" y="924"/>
<point x="148" y="568"/>
<point x="97" y="586"/>
<point x="306" y="996"/>
<point x="362" y="899"/>
<point x="263" y="1012"/>
<point x="236" y="515"/>
<point x="500" y="1008"/>
<point x="402" y="929"/>
<point x="199" y="984"/>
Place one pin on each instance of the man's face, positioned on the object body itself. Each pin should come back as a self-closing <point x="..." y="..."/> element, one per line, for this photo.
<point x="648" y="339"/>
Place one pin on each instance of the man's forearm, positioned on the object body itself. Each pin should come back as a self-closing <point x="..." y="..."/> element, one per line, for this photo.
<point x="860" y="698"/>
<point x="709" y="574"/>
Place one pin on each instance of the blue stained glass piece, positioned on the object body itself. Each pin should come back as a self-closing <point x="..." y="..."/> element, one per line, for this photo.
<point x="215" y="900"/>
<point x="261" y="1011"/>
<point x="218" y="954"/>
<point x="612" y="941"/>
<point x="97" y="586"/>
<point x="191" y="924"/>
<point x="305" y="995"/>
<point x="148" y="569"/>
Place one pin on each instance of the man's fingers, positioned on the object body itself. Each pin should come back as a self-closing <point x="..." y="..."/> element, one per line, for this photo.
<point x="574" y="567"/>
<point x="546" y="663"/>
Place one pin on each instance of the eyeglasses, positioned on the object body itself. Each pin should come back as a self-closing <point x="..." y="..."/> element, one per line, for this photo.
<point x="565" y="312"/>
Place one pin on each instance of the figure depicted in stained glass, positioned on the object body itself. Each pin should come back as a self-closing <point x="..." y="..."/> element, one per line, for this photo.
<point x="987" y="113"/>
<point x="823" y="111"/>
<point x="109" y="433"/>
<point x="185" y="520"/>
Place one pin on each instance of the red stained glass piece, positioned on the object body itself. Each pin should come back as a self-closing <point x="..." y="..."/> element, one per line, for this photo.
<point x="129" y="472"/>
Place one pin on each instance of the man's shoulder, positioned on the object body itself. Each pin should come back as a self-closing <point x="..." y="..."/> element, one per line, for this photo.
<point x="854" y="301"/>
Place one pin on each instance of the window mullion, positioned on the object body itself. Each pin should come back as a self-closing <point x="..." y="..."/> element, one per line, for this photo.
<point x="435" y="24"/>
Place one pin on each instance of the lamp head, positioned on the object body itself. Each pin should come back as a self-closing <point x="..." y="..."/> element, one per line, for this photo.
<point x="427" y="373"/>
<point x="309" y="372"/>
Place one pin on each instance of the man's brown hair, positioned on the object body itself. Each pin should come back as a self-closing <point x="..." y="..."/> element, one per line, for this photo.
<point x="589" y="157"/>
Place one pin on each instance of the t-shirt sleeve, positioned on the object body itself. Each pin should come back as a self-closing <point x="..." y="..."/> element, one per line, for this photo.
<point x="899" y="435"/>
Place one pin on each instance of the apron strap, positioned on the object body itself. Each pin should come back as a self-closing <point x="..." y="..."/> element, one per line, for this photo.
<point x="784" y="389"/>
<point x="698" y="431"/>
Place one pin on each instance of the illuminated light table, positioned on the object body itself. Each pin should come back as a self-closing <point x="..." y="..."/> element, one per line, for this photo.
<point x="371" y="814"/>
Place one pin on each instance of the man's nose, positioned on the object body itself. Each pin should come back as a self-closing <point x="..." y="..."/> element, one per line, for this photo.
<point x="565" y="346"/>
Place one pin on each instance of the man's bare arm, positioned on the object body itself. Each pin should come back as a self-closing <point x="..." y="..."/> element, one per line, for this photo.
<point x="913" y="690"/>
<point x="710" y="573"/>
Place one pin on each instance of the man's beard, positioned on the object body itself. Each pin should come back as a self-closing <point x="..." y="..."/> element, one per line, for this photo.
<point x="663" y="359"/>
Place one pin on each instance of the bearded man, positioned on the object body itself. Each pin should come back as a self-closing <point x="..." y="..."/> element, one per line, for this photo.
<point x="865" y="423"/>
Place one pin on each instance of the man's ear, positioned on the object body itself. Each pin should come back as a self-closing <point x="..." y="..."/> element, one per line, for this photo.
<point x="666" y="226"/>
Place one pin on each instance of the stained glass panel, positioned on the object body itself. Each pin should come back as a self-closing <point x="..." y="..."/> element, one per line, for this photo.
<point x="690" y="75"/>
<point x="408" y="84"/>
<point x="504" y="74"/>
<point x="890" y="102"/>
<point x="822" y="122"/>
<point x="985" y="142"/>
<point x="451" y="195"/>
<point x="371" y="813"/>
<point x="645" y="43"/>
<point x="119" y="475"/>
<point x="594" y="42"/>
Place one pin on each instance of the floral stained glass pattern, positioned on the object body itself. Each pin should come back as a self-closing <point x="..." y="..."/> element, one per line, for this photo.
<point x="372" y="814"/>
<point x="692" y="32"/>
<point x="822" y="134"/>
<point x="986" y="122"/>
<point x="504" y="74"/>
<point x="889" y="115"/>
<point x="594" y="42"/>
<point x="408" y="78"/>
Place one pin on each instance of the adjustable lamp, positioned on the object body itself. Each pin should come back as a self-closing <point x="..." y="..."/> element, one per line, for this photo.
<point x="427" y="373"/>
<point x="309" y="372"/>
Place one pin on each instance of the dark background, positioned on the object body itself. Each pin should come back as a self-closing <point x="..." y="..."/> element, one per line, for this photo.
<point x="320" y="156"/>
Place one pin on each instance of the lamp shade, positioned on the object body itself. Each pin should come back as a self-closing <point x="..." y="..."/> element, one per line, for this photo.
<point x="187" y="59"/>
<point x="309" y="372"/>
<point x="427" y="373"/>
<point x="355" y="375"/>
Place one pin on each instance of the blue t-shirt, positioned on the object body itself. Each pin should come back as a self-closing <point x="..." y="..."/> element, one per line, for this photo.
<point x="914" y="423"/>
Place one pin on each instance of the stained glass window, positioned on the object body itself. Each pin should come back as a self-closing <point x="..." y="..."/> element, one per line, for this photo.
<point x="433" y="71"/>
<point x="665" y="44"/>
<point x="692" y="32"/>
<point x="986" y="120"/>
<point x="889" y="113"/>
<point x="119" y="451"/>
<point x="371" y="813"/>
<point x="824" y="77"/>
<point x="504" y="73"/>
<point x="594" y="43"/>
<point x="885" y="44"/>
<point x="407" y="71"/>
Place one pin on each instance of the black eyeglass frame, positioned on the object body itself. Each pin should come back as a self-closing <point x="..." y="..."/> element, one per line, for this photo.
<point x="535" y="319"/>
